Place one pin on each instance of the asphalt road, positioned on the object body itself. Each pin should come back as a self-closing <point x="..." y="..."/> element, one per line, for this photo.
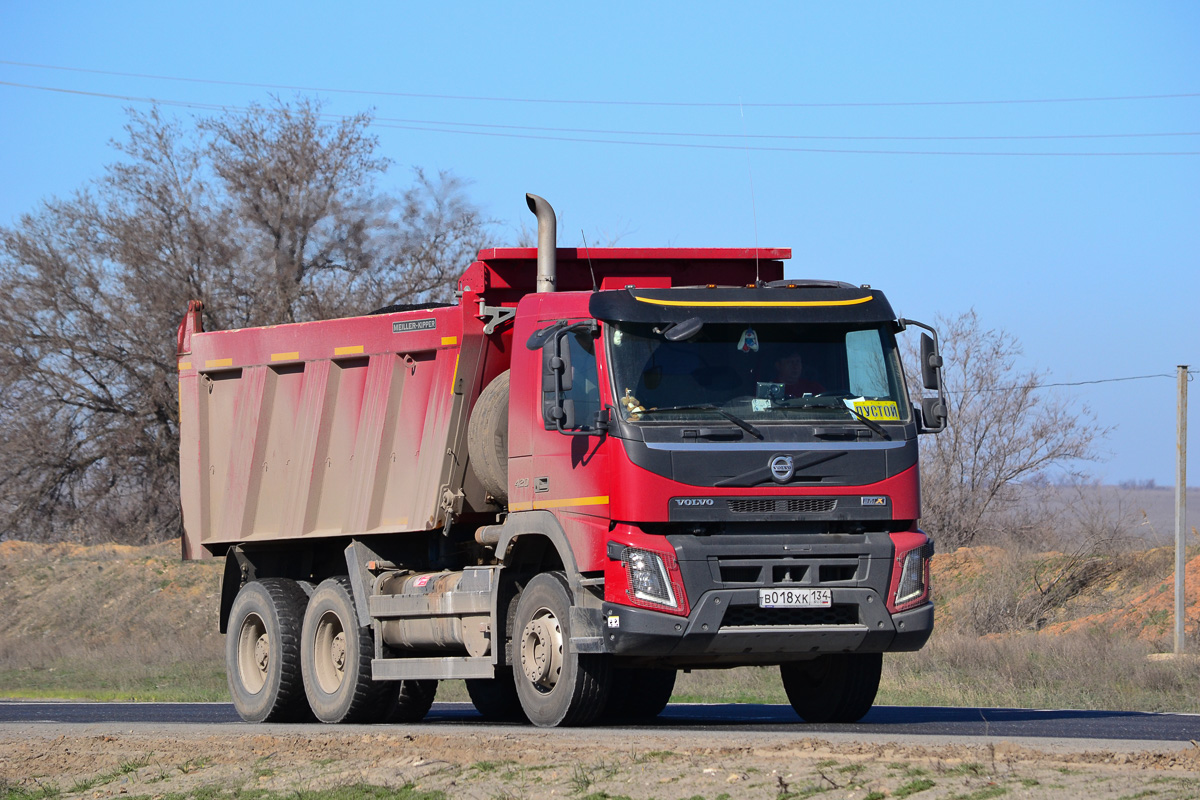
<point x="897" y="721"/>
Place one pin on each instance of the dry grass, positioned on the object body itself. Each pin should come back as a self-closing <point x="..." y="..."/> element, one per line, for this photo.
<point x="136" y="623"/>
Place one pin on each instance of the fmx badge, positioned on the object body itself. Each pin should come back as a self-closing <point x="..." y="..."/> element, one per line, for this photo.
<point x="406" y="326"/>
<point x="876" y="500"/>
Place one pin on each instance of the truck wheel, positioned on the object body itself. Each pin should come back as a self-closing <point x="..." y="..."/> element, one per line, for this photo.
<point x="555" y="686"/>
<point x="839" y="687"/>
<point x="496" y="698"/>
<point x="487" y="438"/>
<point x="262" y="651"/>
<point x="413" y="700"/>
<point x="639" y="694"/>
<point x="335" y="656"/>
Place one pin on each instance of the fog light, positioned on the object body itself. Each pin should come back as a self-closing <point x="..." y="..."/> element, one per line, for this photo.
<point x="648" y="578"/>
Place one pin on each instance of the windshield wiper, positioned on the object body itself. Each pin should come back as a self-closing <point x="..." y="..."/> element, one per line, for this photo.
<point x="741" y="423"/>
<point x="837" y="405"/>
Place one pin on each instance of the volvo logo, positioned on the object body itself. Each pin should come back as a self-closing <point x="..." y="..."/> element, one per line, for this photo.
<point x="782" y="468"/>
<point x="693" y="501"/>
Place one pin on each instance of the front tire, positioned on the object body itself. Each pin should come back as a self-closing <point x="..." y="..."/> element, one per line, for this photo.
<point x="496" y="698"/>
<point x="335" y="656"/>
<point x="839" y="687"/>
<point x="262" y="651"/>
<point x="639" y="694"/>
<point x="413" y="699"/>
<point x="555" y="685"/>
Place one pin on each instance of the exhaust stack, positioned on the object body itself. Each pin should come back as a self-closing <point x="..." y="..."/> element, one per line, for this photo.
<point x="547" y="258"/>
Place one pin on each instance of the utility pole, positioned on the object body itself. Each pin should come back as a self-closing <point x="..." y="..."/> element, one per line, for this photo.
<point x="1180" y="503"/>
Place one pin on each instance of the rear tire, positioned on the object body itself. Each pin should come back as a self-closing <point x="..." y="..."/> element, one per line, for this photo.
<point x="839" y="687"/>
<point x="336" y="654"/>
<point x="262" y="651"/>
<point x="487" y="438"/>
<point x="555" y="685"/>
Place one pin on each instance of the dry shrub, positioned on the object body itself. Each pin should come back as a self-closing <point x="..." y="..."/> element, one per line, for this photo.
<point x="1087" y="670"/>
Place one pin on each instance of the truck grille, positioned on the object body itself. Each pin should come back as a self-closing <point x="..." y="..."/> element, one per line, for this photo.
<point x="832" y="568"/>
<point x="755" y="617"/>
<point x="794" y="505"/>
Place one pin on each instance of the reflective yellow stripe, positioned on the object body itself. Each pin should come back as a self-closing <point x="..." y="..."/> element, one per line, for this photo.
<point x="218" y="362"/>
<point x="285" y="356"/>
<point x="347" y="351"/>
<point x="756" y="303"/>
<point x="184" y="365"/>
<point x="454" y="375"/>
<point x="448" y="340"/>
<point x="567" y="501"/>
<point x="572" y="501"/>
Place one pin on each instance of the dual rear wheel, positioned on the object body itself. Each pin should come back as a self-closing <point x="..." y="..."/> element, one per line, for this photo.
<point x="291" y="656"/>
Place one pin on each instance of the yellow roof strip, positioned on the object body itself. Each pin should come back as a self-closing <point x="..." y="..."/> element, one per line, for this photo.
<point x="756" y="303"/>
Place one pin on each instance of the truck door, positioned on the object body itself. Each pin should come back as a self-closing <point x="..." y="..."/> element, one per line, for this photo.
<point x="568" y="470"/>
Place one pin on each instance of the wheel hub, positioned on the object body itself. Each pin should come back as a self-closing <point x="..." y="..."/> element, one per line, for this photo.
<point x="262" y="653"/>
<point x="253" y="653"/>
<point x="542" y="650"/>
<point x="338" y="652"/>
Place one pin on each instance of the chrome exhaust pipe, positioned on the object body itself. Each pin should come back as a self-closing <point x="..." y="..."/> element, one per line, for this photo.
<point x="547" y="258"/>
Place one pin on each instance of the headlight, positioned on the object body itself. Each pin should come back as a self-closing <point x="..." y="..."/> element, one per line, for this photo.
<point x="912" y="574"/>
<point x="648" y="578"/>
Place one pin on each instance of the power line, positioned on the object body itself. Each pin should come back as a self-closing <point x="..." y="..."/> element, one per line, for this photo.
<point x="658" y="103"/>
<point x="1074" y="383"/>
<point x="588" y="140"/>
<point x="809" y="137"/>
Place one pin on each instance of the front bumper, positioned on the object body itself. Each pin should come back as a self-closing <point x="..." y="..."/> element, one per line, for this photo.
<point x="725" y="625"/>
<point x="857" y="623"/>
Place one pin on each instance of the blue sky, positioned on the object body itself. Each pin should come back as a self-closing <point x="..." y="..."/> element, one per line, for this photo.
<point x="1091" y="260"/>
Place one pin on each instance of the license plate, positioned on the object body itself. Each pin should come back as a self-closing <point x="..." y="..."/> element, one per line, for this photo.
<point x="795" y="598"/>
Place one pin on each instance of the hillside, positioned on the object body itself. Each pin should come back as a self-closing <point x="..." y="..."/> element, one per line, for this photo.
<point x="109" y="621"/>
<point x="117" y="622"/>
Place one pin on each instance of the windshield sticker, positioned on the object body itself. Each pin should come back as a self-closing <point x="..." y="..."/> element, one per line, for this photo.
<point x="760" y="404"/>
<point x="876" y="410"/>
<point x="748" y="343"/>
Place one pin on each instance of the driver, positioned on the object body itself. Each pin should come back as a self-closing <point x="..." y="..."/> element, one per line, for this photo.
<point x="789" y="368"/>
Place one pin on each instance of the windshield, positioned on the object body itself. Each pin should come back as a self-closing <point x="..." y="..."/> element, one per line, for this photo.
<point x="760" y="373"/>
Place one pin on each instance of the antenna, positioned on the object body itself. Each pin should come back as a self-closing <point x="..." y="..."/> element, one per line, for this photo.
<point x="587" y="253"/>
<point x="753" y="208"/>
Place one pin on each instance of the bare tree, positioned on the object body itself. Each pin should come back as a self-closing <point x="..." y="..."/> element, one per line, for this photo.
<point x="1001" y="431"/>
<point x="268" y="215"/>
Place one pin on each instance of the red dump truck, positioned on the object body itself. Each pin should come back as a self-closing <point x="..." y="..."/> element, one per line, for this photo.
<point x="596" y="468"/>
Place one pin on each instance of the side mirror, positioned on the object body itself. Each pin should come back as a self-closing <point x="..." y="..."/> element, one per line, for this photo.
<point x="933" y="414"/>
<point x="931" y="362"/>
<point x="558" y="378"/>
